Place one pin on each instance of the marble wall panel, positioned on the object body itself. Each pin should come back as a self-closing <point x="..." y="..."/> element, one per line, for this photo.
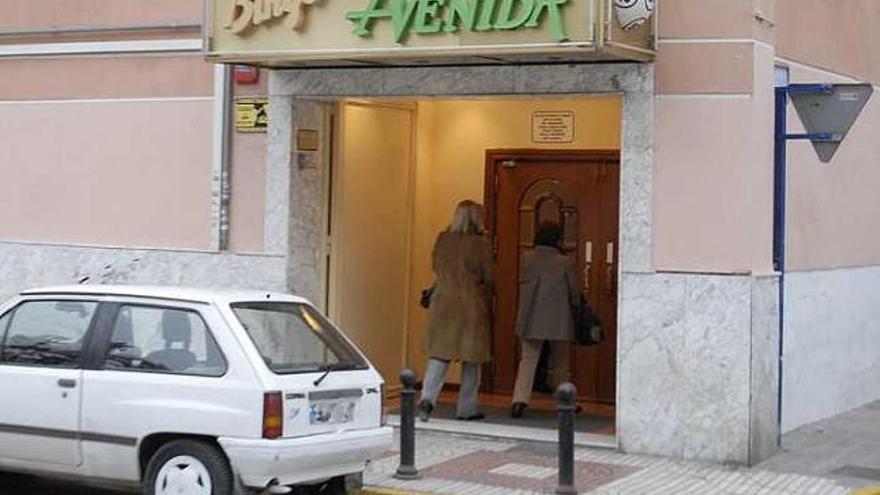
<point x="525" y="80"/>
<point x="831" y="354"/>
<point x="306" y="222"/>
<point x="24" y="266"/>
<point x="684" y="366"/>
<point x="764" y="404"/>
<point x="276" y="228"/>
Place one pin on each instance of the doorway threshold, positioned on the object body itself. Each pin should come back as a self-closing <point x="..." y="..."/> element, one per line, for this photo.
<point x="509" y="432"/>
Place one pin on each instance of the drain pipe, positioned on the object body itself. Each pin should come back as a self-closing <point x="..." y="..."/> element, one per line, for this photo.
<point x="223" y="104"/>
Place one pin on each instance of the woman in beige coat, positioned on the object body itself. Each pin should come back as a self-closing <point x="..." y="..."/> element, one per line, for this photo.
<point x="458" y="323"/>
<point x="549" y="289"/>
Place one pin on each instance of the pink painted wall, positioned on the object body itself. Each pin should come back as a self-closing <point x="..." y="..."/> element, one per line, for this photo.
<point x="833" y="208"/>
<point x="832" y="220"/>
<point x="119" y="173"/>
<point x="713" y="156"/>
<point x="106" y="77"/>
<point x="840" y="36"/>
<point x="714" y="136"/>
<point x="33" y="14"/>
<point x="248" y="180"/>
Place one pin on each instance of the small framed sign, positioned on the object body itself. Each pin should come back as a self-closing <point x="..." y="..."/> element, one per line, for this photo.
<point x="307" y="140"/>
<point x="553" y="127"/>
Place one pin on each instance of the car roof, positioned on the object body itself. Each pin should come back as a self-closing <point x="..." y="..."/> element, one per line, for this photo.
<point x="172" y="293"/>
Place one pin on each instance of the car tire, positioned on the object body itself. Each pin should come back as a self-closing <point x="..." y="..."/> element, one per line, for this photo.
<point x="334" y="486"/>
<point x="198" y="466"/>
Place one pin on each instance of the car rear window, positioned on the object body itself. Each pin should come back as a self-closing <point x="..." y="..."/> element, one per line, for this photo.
<point x="296" y="338"/>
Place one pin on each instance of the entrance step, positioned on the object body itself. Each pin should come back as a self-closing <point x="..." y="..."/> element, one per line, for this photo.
<point x="510" y="432"/>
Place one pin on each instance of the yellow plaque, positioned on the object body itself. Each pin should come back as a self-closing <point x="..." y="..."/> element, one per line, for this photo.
<point x="252" y="114"/>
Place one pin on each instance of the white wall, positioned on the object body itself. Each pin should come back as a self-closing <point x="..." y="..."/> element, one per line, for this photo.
<point x="832" y="343"/>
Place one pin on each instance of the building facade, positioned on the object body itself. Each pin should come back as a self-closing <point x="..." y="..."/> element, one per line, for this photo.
<point x="651" y="137"/>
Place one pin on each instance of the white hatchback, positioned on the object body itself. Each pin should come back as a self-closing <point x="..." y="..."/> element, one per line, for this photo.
<point x="184" y="391"/>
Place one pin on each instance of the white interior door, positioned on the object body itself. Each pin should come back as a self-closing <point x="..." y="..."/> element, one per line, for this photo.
<point x="372" y="209"/>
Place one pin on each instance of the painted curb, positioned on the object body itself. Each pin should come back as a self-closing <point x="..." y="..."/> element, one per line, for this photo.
<point x="875" y="490"/>
<point x="373" y="490"/>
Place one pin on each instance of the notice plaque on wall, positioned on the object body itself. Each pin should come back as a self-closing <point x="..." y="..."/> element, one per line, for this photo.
<point x="251" y="114"/>
<point x="553" y="127"/>
<point x="307" y="140"/>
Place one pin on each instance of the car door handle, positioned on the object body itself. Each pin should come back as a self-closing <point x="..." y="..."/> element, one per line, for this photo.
<point x="66" y="383"/>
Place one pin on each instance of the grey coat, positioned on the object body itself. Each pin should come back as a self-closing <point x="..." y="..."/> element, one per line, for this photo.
<point x="548" y="290"/>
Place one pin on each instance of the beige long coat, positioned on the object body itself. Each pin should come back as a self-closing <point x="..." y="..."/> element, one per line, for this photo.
<point x="458" y="322"/>
<point x="548" y="289"/>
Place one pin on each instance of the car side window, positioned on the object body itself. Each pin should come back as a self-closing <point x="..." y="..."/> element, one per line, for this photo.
<point x="47" y="333"/>
<point x="164" y="340"/>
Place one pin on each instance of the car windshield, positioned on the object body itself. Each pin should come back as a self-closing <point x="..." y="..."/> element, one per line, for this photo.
<point x="295" y="338"/>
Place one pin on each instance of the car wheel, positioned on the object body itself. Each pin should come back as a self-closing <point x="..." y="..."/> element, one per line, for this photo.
<point x="188" y="467"/>
<point x="334" y="486"/>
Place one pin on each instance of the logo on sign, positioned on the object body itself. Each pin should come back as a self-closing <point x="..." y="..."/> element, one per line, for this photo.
<point x="247" y="13"/>
<point x="632" y="14"/>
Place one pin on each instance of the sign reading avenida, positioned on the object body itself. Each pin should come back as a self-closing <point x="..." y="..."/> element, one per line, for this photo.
<point x="449" y="16"/>
<point x="296" y="33"/>
<point x="411" y="16"/>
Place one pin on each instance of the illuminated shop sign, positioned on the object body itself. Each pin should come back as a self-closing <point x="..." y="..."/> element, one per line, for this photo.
<point x="348" y="31"/>
<point x="450" y="16"/>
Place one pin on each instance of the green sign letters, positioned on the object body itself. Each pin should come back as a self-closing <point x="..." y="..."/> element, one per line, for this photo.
<point x="437" y="16"/>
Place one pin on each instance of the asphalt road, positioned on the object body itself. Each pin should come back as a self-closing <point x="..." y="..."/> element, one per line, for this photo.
<point x="16" y="484"/>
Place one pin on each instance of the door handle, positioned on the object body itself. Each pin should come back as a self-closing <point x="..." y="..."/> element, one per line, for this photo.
<point x="66" y="383"/>
<point x="611" y="273"/>
<point x="588" y="264"/>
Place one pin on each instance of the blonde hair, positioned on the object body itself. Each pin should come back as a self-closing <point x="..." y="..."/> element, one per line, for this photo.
<point x="468" y="218"/>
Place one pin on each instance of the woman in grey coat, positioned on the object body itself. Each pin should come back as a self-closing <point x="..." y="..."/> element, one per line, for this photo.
<point x="549" y="289"/>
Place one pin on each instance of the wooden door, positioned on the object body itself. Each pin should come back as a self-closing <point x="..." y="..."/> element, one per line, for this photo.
<point x="580" y="190"/>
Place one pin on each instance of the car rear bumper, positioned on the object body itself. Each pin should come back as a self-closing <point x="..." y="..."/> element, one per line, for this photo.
<point x="292" y="461"/>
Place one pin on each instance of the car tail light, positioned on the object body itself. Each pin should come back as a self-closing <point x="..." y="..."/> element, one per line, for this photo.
<point x="273" y="415"/>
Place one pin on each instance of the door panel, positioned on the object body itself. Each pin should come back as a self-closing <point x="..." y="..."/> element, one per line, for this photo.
<point x="39" y="420"/>
<point x="40" y="383"/>
<point x="580" y="191"/>
<point x="371" y="231"/>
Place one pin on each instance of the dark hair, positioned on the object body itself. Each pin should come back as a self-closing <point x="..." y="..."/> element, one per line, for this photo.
<point x="549" y="234"/>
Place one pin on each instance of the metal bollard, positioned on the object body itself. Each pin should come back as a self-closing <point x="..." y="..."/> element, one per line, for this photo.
<point x="407" y="469"/>
<point x="566" y="394"/>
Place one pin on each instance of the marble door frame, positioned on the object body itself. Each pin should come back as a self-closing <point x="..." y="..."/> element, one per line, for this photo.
<point x="296" y="96"/>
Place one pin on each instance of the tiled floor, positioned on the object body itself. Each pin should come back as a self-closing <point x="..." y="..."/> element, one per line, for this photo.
<point x="460" y="465"/>
<point x="593" y="418"/>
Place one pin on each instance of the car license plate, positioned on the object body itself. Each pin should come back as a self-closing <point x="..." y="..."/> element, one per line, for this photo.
<point x="331" y="412"/>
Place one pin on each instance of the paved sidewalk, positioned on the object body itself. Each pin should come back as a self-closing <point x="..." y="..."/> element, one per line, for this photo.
<point x="461" y="465"/>
<point x="845" y="447"/>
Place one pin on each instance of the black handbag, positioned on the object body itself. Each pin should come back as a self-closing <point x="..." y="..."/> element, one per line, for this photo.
<point x="427" y="295"/>
<point x="587" y="327"/>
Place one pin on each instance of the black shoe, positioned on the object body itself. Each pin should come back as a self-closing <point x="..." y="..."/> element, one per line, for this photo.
<point x="473" y="417"/>
<point x="518" y="410"/>
<point x="425" y="410"/>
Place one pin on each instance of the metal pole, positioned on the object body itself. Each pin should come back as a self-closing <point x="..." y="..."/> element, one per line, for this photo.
<point x="407" y="469"/>
<point x="780" y="183"/>
<point x="566" y="394"/>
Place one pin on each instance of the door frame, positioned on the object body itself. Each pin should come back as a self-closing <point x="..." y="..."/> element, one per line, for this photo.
<point x="494" y="158"/>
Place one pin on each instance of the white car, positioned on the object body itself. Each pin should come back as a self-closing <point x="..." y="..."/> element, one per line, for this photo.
<point x="184" y="391"/>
